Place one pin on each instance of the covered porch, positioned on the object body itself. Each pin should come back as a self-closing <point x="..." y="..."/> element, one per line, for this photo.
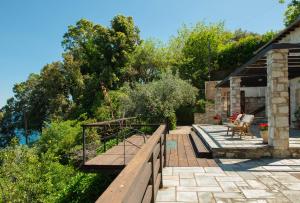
<point x="274" y="72"/>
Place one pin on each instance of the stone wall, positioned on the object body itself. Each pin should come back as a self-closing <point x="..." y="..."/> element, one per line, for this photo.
<point x="253" y="103"/>
<point x="255" y="153"/>
<point x="210" y="89"/>
<point x="207" y="117"/>
<point x="221" y="102"/>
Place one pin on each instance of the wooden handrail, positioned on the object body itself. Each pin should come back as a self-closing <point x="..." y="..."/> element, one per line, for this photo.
<point x="141" y="178"/>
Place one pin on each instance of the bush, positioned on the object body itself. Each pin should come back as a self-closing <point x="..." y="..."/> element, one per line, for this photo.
<point x="26" y="176"/>
<point x="61" y="137"/>
<point x="200" y="106"/>
<point x="160" y="99"/>
<point x="85" y="188"/>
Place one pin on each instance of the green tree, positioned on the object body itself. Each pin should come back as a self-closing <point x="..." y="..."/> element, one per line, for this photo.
<point x="42" y="97"/>
<point x="200" y="51"/>
<point x="95" y="57"/>
<point x="292" y="12"/>
<point x="147" y="62"/>
<point x="7" y="123"/>
<point x="241" y="49"/>
<point x="161" y="98"/>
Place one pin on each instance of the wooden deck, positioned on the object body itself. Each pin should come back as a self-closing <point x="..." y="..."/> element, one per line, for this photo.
<point x="113" y="159"/>
<point x="180" y="153"/>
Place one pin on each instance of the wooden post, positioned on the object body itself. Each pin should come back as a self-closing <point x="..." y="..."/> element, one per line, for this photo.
<point x="165" y="146"/>
<point x="152" y="178"/>
<point x="161" y="162"/>
<point x="83" y="144"/>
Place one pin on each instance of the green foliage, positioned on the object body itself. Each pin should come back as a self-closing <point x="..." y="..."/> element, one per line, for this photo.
<point x="292" y="12"/>
<point x="96" y="56"/>
<point x="200" y="106"/>
<point x="211" y="48"/>
<point x="85" y="188"/>
<point x="241" y="49"/>
<point x="61" y="138"/>
<point x="200" y="51"/>
<point x="146" y="62"/>
<point x="112" y="106"/>
<point x="108" y="144"/>
<point x="161" y="98"/>
<point x="27" y="177"/>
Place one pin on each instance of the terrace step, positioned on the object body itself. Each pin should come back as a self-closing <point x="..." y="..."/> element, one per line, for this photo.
<point x="200" y="149"/>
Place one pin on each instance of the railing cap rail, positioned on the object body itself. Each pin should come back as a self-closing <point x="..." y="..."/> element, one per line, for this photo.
<point x="107" y="122"/>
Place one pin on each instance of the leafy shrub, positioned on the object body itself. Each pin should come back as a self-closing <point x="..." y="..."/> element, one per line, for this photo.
<point x="200" y="106"/>
<point x="160" y="99"/>
<point x="26" y="176"/>
<point x="61" y="137"/>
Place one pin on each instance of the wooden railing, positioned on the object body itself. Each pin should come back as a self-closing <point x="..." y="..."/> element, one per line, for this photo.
<point x="140" y="180"/>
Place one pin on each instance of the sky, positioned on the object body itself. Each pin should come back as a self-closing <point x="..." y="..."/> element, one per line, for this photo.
<point x="31" y="31"/>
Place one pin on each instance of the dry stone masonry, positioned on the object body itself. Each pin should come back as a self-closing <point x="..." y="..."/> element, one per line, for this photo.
<point x="235" y="94"/>
<point x="278" y="100"/>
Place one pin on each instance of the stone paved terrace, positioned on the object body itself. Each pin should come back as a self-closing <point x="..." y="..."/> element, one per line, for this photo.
<point x="235" y="180"/>
<point x="217" y="137"/>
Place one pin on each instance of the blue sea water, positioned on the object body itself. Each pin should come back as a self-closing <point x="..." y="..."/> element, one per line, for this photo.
<point x="34" y="136"/>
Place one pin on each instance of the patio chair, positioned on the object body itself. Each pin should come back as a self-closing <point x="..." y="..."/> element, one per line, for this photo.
<point x="234" y="123"/>
<point x="243" y="128"/>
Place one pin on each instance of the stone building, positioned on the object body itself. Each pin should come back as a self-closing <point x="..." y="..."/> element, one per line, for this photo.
<point x="270" y="83"/>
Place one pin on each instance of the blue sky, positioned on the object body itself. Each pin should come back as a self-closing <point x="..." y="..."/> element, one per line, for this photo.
<point x="31" y="31"/>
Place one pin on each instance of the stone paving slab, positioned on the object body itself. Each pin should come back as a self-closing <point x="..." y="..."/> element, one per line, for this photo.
<point x="272" y="180"/>
<point x="216" y="136"/>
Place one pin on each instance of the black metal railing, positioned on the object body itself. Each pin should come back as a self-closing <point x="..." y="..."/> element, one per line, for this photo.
<point x="118" y="130"/>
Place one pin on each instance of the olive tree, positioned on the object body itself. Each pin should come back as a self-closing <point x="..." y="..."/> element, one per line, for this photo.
<point x="160" y="99"/>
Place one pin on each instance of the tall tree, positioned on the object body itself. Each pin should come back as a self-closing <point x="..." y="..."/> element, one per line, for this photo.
<point x="96" y="56"/>
<point x="200" y="51"/>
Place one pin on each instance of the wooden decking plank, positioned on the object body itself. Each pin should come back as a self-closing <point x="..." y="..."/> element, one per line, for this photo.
<point x="191" y="158"/>
<point x="182" y="158"/>
<point x="115" y="155"/>
<point x="173" y="153"/>
<point x="184" y="154"/>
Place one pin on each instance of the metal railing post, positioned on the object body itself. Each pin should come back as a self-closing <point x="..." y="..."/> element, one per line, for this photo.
<point x="83" y="144"/>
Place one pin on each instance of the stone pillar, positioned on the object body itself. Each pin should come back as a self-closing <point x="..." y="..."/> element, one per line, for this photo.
<point x="278" y="100"/>
<point x="235" y="95"/>
<point x="218" y="101"/>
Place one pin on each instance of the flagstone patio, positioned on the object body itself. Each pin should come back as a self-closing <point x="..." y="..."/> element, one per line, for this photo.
<point x="217" y="136"/>
<point x="235" y="180"/>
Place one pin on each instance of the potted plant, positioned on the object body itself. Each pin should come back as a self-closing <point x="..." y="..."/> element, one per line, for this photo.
<point x="297" y="116"/>
<point x="264" y="132"/>
<point x="218" y="119"/>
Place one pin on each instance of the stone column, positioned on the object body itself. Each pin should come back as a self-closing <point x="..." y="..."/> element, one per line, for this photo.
<point x="218" y="101"/>
<point x="278" y="100"/>
<point x="235" y="95"/>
